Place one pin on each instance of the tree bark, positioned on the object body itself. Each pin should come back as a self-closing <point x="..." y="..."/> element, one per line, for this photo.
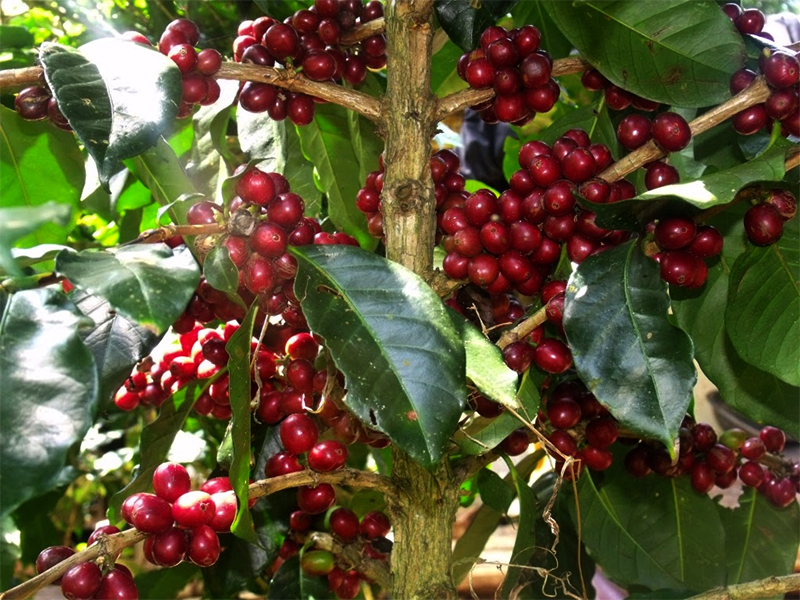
<point x="424" y="511"/>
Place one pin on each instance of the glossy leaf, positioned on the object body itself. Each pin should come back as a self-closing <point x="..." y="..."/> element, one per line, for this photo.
<point x="494" y="491"/>
<point x="238" y="348"/>
<point x="49" y="384"/>
<point x="240" y="565"/>
<point x="39" y="164"/>
<point x="464" y="21"/>
<point x="219" y="270"/>
<point x="327" y="144"/>
<point x="679" y="52"/>
<point x="154" y="445"/>
<point x="763" y="312"/>
<point x="263" y="139"/>
<point x="116" y="343"/>
<point x="525" y="541"/>
<point x="290" y="581"/>
<point x="625" y="349"/>
<point x="150" y="284"/>
<point x="655" y="532"/>
<point x="16" y="222"/>
<point x="389" y="333"/>
<point x="692" y="197"/>
<point x="761" y="540"/>
<point x="759" y="395"/>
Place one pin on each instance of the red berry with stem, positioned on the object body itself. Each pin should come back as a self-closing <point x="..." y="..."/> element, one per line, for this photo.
<point x="750" y="21"/>
<point x="518" y="356"/>
<point x="209" y="61"/>
<point x="674" y="233"/>
<point x="753" y="448"/>
<point x="634" y="131"/>
<point x="117" y="585"/>
<point x="704" y="437"/>
<point x="702" y="477"/>
<point x="193" y="508"/>
<point x="751" y="474"/>
<point x="51" y="556"/>
<point x="564" y="442"/>
<point x="282" y="463"/>
<point x="169" y="547"/>
<point x="150" y="513"/>
<point x="516" y="442"/>
<point x="750" y="120"/>
<point x="256" y="187"/>
<point x="679" y="267"/>
<point x="671" y="132"/>
<point x="721" y="458"/>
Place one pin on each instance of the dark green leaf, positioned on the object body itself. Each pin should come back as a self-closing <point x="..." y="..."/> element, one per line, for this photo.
<point x="757" y="394"/>
<point x="679" y="52"/>
<point x="239" y="565"/>
<point x="525" y="542"/>
<point x="154" y="445"/>
<point x="625" y="349"/>
<point x="469" y="546"/>
<point x="763" y="312"/>
<point x="166" y="583"/>
<point x="263" y="139"/>
<point x="327" y="144"/>
<point x="533" y="12"/>
<point x="160" y="170"/>
<point x="444" y="77"/>
<point x="693" y="197"/>
<point x="390" y="335"/>
<point x="301" y="175"/>
<point x="760" y="540"/>
<point x="14" y="36"/>
<point x="238" y="348"/>
<point x="367" y="146"/>
<point x="219" y="270"/>
<point x="9" y="551"/>
<point x="150" y="284"/>
<point x="464" y="21"/>
<point x="116" y="343"/>
<point x="49" y="384"/>
<point x="655" y="532"/>
<point x="28" y="151"/>
<point x="19" y="221"/>
<point x="291" y="582"/>
<point x="100" y="88"/>
<point x="495" y="492"/>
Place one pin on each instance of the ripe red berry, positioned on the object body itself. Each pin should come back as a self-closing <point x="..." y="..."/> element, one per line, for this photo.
<point x="316" y="500"/>
<point x="563" y="413"/>
<point x="674" y="233"/>
<point x="204" y="547"/>
<point x="774" y="439"/>
<point x="702" y="477"/>
<point x="170" y="481"/>
<point x="750" y="21"/>
<point x="344" y="523"/>
<point x="256" y="187"/>
<point x="298" y="433"/>
<point x="751" y="474"/>
<point x="31" y="103"/>
<point x="51" y="556"/>
<point x="750" y="120"/>
<point x="597" y="459"/>
<point x="81" y="582"/>
<point x="552" y="356"/>
<point x="150" y="513"/>
<point x="282" y="463"/>
<point x="516" y="442"/>
<point x="634" y="131"/>
<point x="329" y="455"/>
<point x="671" y="132"/>
<point x="602" y="432"/>
<point x="763" y="224"/>
<point x="193" y="508"/>
<point x="117" y="584"/>
<point x="375" y="524"/>
<point x="564" y="442"/>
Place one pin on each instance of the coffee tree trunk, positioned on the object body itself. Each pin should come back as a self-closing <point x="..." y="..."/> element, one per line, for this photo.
<point x="423" y="515"/>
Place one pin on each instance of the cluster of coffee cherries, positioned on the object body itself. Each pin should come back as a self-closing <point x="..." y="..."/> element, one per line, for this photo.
<point x="310" y="40"/>
<point x="683" y="248"/>
<point x="781" y="71"/>
<point x="89" y="580"/>
<point x="36" y="103"/>
<point x="763" y="222"/>
<point x="368" y="533"/>
<point x="615" y="97"/>
<point x="711" y="460"/>
<point x="516" y="67"/>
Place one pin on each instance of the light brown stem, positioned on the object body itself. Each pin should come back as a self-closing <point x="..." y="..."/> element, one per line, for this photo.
<point x="763" y="588"/>
<point x="755" y="93"/>
<point x="362" y="32"/>
<point x="351" y="477"/>
<point x="462" y="99"/>
<point x="524" y="328"/>
<point x="20" y="78"/>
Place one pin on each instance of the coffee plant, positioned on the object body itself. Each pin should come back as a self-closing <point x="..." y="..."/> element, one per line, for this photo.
<point x="259" y="332"/>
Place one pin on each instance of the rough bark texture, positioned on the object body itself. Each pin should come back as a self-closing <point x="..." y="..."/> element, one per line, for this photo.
<point x="423" y="514"/>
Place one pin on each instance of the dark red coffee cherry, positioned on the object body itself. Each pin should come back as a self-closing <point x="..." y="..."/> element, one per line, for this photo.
<point x="750" y="120"/>
<point x="81" y="582"/>
<point x="51" y="556"/>
<point x="707" y="242"/>
<point x="597" y="459"/>
<point x="634" y="131"/>
<point x="774" y="439"/>
<point x="516" y="442"/>
<point x="344" y="523"/>
<point x="375" y="524"/>
<point x="31" y="103"/>
<point x="679" y="267"/>
<point x="329" y="455"/>
<point x="671" y="132"/>
<point x="781" y="70"/>
<point x="602" y="432"/>
<point x="171" y="481"/>
<point x="674" y="233"/>
<point x="750" y="21"/>
<point x="204" y="547"/>
<point x="552" y="356"/>
<point x="150" y="513"/>
<point x="298" y="433"/>
<point x="282" y="463"/>
<point x="763" y="224"/>
<point x="563" y="413"/>
<point x="316" y="500"/>
<point x="751" y="474"/>
<point x="564" y="442"/>
<point x="658" y="174"/>
<point x="193" y="508"/>
<point x="518" y="356"/>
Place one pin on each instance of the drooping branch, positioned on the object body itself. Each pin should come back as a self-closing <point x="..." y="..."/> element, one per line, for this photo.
<point x="755" y="93"/>
<point x="460" y="100"/>
<point x="376" y="570"/>
<point x="763" y="588"/>
<point x="351" y="477"/>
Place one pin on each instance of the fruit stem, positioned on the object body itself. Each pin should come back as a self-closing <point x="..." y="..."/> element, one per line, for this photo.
<point x="524" y="328"/>
<point x="762" y="588"/>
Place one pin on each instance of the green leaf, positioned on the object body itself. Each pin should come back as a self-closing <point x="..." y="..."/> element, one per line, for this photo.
<point x="367" y="146"/>
<point x="326" y="142"/>
<point x="693" y="197"/>
<point x="469" y="546"/>
<point x="219" y="270"/>
<point x="28" y="150"/>
<point x="263" y="139"/>
<point x="625" y="349"/>
<point x="49" y="384"/>
<point x="240" y="565"/>
<point x="291" y="582"/>
<point x="444" y="77"/>
<point x="761" y="540"/>
<point x="15" y="36"/>
<point x="100" y="88"/>
<point x="391" y="336"/>
<point x="19" y="221"/>
<point x="166" y="583"/>
<point x="161" y="172"/>
<point x="495" y="492"/>
<point x="116" y="343"/>
<point x="301" y="175"/>
<point x="679" y="52"/>
<point x="9" y="551"/>
<point x="533" y="12"/>
<point x="154" y="446"/>
<point x="464" y="21"/>
<point x="759" y="395"/>
<point x="763" y="312"/>
<point x="655" y="532"/>
<point x="525" y="542"/>
<point x="150" y="284"/>
<point x="238" y="348"/>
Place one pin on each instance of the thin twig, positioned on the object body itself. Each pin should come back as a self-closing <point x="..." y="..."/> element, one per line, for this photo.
<point x="763" y="588"/>
<point x="351" y="477"/>
<point x="362" y="32"/>
<point x="524" y="328"/>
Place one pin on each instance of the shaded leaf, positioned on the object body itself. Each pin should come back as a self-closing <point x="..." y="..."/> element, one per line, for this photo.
<point x="28" y="149"/>
<point x="691" y="198"/>
<point x="763" y="312"/>
<point x="464" y="21"/>
<point x="678" y="52"/>
<point x="533" y="12"/>
<point x="49" y="384"/>
<point x="116" y="343"/>
<point x="19" y="221"/>
<point x="100" y="87"/>
<point x="656" y="532"/>
<point x="15" y="36"/>
<point x="263" y="139"/>
<point x="290" y="581"/>
<point x="444" y="77"/>
<point x="219" y="270"/>
<point x="494" y="491"/>
<point x="166" y="583"/>
<point x="525" y="541"/>
<point x="391" y="336"/>
<point x="150" y="284"/>
<point x="301" y="175"/>
<point x="761" y="540"/>
<point x="625" y="349"/>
